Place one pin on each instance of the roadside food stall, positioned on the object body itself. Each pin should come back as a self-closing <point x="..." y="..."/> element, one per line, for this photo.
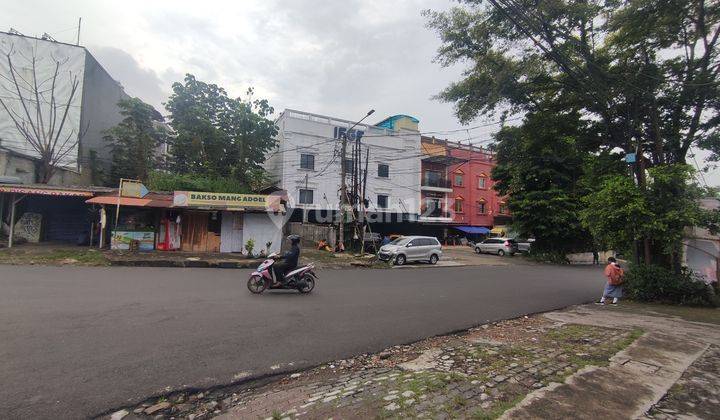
<point x="138" y="220"/>
<point x="224" y="222"/>
<point x="196" y="221"/>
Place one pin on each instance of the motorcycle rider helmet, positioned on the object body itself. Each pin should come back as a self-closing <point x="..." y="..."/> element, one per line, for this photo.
<point x="294" y="239"/>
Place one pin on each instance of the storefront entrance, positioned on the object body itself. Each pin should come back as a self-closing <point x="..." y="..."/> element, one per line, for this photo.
<point x="201" y="231"/>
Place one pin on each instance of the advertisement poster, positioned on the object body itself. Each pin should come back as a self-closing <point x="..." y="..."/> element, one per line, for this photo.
<point x="121" y="240"/>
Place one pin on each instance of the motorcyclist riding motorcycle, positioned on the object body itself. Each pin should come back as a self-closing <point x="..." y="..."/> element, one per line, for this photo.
<point x="289" y="259"/>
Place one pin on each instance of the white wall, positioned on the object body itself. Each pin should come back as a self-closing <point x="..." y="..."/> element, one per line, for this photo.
<point x="309" y="133"/>
<point x="260" y="228"/>
<point x="231" y="232"/>
<point x="73" y="59"/>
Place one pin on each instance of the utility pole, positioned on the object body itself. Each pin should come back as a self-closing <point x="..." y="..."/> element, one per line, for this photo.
<point x="361" y="205"/>
<point x="343" y="192"/>
<point x="343" y="185"/>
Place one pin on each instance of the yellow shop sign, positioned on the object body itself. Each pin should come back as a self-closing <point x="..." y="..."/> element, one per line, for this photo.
<point x="218" y="200"/>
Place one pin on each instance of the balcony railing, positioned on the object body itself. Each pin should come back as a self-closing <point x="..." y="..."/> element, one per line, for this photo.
<point x="435" y="213"/>
<point x="436" y="182"/>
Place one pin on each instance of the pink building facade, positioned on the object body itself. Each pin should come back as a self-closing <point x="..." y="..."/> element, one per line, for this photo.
<point x="474" y="201"/>
<point x="457" y="186"/>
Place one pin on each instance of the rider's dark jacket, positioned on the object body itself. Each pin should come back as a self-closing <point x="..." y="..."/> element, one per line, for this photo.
<point x="291" y="258"/>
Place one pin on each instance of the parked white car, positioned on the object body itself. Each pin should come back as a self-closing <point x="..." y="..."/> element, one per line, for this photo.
<point x="412" y="248"/>
<point x="498" y="246"/>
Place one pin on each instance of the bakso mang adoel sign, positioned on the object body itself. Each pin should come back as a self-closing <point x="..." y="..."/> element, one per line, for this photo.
<point x="218" y="200"/>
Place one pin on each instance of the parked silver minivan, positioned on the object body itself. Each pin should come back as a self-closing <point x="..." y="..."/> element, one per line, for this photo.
<point x="498" y="246"/>
<point x="412" y="248"/>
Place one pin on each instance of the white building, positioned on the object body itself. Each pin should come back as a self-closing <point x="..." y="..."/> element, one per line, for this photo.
<point x="93" y="106"/>
<point x="307" y="162"/>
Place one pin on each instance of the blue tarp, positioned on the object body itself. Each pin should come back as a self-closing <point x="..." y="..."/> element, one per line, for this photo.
<point x="473" y="229"/>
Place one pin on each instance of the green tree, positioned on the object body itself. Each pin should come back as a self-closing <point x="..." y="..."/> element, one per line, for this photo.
<point x="642" y="74"/>
<point x="620" y="212"/>
<point x="539" y="168"/>
<point x="218" y="136"/>
<point x="645" y="70"/>
<point x="135" y="140"/>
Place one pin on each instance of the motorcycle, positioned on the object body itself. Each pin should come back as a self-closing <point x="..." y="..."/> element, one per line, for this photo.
<point x="301" y="279"/>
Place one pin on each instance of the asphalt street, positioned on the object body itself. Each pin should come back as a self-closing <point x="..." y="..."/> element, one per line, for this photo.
<point x="75" y="342"/>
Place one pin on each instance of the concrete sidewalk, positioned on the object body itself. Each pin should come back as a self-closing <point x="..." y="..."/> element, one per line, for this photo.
<point x="636" y="379"/>
<point x="587" y="361"/>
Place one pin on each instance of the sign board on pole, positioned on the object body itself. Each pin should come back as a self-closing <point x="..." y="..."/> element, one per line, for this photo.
<point x="134" y="189"/>
<point x="630" y="158"/>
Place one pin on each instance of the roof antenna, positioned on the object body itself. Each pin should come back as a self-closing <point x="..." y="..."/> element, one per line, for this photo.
<point x="79" y="23"/>
<point x="46" y="36"/>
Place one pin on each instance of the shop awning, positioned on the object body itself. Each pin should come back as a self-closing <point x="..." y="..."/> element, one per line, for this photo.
<point x="129" y="201"/>
<point x="473" y="229"/>
<point x="46" y="190"/>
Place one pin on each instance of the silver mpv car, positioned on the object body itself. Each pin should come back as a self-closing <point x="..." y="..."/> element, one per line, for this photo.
<point x="412" y="248"/>
<point x="499" y="246"/>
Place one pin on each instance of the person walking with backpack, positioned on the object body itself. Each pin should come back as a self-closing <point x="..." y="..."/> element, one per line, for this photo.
<point x="615" y="277"/>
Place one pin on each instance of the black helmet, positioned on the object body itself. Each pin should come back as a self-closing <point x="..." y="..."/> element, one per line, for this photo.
<point x="294" y="239"/>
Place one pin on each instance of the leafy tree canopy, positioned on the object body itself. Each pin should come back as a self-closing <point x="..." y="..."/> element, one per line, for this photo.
<point x="592" y="77"/>
<point x="135" y="141"/>
<point x="218" y="136"/>
<point x="644" y="71"/>
<point x="540" y="168"/>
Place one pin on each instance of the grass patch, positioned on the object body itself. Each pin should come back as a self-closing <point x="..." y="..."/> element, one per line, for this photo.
<point x="497" y="409"/>
<point x="688" y="313"/>
<point x="79" y="256"/>
<point x="572" y="332"/>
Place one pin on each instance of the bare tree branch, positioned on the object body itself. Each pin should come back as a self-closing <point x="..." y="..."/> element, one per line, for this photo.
<point x="44" y="131"/>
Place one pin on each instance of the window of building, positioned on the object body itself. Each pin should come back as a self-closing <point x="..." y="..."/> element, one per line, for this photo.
<point x="481" y="207"/>
<point x="306" y="196"/>
<point x="458" y="180"/>
<point x="458" y="205"/>
<point x="503" y="208"/>
<point x="382" y="201"/>
<point x="383" y="170"/>
<point x="482" y="182"/>
<point x="307" y="161"/>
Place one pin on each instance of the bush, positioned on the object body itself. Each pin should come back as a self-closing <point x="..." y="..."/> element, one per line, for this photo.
<point x="166" y="181"/>
<point x="548" y="256"/>
<point x="249" y="246"/>
<point x="652" y="283"/>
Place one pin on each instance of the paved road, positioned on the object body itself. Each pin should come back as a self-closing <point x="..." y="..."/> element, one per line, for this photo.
<point x="75" y="342"/>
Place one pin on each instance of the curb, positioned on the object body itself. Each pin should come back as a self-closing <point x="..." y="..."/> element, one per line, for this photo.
<point x="184" y="264"/>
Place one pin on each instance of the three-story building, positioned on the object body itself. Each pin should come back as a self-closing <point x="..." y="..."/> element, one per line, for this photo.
<point x="307" y="164"/>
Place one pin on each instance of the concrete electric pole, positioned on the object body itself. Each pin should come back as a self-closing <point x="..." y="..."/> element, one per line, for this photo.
<point x="343" y="185"/>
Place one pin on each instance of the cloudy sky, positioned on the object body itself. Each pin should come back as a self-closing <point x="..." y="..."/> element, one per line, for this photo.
<point x="337" y="58"/>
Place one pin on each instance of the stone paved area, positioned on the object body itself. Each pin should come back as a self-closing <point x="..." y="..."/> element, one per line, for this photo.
<point x="554" y="365"/>
<point x="478" y="374"/>
<point x="696" y="394"/>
